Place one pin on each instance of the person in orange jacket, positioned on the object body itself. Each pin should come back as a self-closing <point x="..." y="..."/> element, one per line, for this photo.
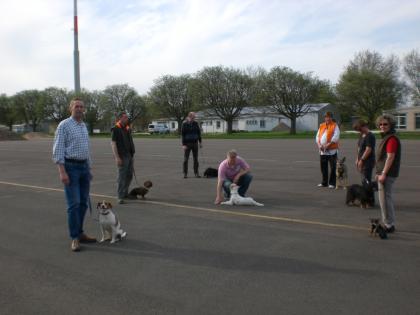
<point x="327" y="140"/>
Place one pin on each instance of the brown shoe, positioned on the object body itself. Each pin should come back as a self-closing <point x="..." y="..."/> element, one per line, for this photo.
<point x="75" y="245"/>
<point x="86" y="239"/>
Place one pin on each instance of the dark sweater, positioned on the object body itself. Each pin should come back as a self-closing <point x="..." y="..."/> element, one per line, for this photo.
<point x="124" y="141"/>
<point x="190" y="132"/>
<point x="381" y="157"/>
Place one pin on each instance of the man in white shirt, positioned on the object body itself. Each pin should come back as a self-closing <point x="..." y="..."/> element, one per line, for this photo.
<point x="71" y="153"/>
<point x="327" y="139"/>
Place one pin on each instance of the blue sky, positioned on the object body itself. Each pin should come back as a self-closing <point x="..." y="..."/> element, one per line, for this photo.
<point x="135" y="42"/>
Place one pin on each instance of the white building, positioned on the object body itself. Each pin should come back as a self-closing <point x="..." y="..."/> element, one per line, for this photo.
<point x="258" y="119"/>
<point x="408" y="118"/>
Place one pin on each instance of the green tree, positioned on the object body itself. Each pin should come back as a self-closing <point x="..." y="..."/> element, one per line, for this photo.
<point x="30" y="104"/>
<point x="8" y="113"/>
<point x="412" y="71"/>
<point x="368" y="86"/>
<point x="173" y="97"/>
<point x="224" y="92"/>
<point x="290" y="92"/>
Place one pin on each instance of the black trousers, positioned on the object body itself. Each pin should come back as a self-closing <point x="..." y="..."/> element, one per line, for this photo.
<point x="332" y="161"/>
<point x="194" y="148"/>
<point x="367" y="172"/>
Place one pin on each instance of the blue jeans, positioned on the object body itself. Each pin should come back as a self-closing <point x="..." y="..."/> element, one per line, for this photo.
<point x="243" y="184"/>
<point x="77" y="196"/>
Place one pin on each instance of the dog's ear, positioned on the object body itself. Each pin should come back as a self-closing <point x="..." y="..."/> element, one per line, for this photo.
<point x="109" y="205"/>
<point x="344" y="158"/>
<point x="98" y="205"/>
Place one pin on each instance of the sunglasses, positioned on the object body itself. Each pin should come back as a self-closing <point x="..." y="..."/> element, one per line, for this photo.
<point x="385" y="124"/>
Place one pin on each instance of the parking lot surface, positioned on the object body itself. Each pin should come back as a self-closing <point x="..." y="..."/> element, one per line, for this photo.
<point x="304" y="252"/>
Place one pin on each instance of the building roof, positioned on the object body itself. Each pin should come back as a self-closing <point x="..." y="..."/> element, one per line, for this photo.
<point x="403" y="109"/>
<point x="259" y="111"/>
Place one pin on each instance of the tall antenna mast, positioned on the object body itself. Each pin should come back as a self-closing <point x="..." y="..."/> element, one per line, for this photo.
<point x="76" y="53"/>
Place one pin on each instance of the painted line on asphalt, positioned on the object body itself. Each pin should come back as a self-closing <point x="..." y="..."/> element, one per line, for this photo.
<point x="210" y="210"/>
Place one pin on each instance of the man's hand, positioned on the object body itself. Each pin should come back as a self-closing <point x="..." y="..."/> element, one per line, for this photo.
<point x="184" y="147"/>
<point x="236" y="178"/>
<point x="218" y="200"/>
<point x="359" y="165"/>
<point x="381" y="178"/>
<point x="201" y="146"/>
<point x="119" y="161"/>
<point x="64" y="178"/>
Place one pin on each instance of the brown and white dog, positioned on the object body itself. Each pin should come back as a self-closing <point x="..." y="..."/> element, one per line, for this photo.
<point x="236" y="199"/>
<point x="109" y="223"/>
<point x="140" y="191"/>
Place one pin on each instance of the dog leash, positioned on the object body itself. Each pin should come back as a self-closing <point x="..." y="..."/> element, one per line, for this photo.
<point x="90" y="209"/>
<point x="135" y="177"/>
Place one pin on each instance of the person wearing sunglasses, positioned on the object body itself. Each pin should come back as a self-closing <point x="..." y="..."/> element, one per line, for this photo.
<point x="388" y="157"/>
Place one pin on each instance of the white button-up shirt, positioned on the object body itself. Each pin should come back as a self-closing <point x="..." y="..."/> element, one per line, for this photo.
<point x="71" y="141"/>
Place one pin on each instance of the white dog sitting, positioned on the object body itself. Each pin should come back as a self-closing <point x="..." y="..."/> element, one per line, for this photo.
<point x="236" y="199"/>
<point x="109" y="223"/>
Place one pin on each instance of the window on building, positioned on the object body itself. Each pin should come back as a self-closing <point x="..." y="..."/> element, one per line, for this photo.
<point x="218" y="124"/>
<point x="417" y="121"/>
<point x="262" y="123"/>
<point x="401" y="121"/>
<point x="172" y="125"/>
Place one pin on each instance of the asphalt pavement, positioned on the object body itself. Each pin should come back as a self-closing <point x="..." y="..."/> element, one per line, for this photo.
<point x="304" y="252"/>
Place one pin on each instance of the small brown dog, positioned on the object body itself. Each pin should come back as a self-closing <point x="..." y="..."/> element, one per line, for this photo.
<point x="140" y="191"/>
<point x="376" y="228"/>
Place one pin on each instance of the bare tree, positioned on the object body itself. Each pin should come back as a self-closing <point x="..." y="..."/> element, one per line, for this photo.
<point x="94" y="109"/>
<point x="412" y="71"/>
<point x="57" y="103"/>
<point x="290" y="92"/>
<point x="224" y="92"/>
<point x="117" y="98"/>
<point x="173" y="97"/>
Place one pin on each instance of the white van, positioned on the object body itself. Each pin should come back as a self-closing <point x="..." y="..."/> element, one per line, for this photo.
<point x="158" y="128"/>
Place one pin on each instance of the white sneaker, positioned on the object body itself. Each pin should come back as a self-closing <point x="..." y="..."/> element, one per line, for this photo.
<point x="320" y="185"/>
<point x="331" y="187"/>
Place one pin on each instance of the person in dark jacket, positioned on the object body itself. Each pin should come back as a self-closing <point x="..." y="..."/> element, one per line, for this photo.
<point x="191" y="139"/>
<point x="365" y="160"/>
<point x="388" y="157"/>
<point x="123" y="149"/>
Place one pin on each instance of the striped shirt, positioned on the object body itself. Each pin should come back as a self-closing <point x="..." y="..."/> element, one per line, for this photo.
<point x="71" y="141"/>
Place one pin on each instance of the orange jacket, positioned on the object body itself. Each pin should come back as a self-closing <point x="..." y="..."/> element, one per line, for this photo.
<point x="118" y="125"/>
<point x="330" y="132"/>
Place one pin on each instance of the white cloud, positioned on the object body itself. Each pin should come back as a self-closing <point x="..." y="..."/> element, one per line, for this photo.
<point x="135" y="42"/>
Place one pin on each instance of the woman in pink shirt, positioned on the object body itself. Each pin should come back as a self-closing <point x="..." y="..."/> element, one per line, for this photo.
<point x="232" y="170"/>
